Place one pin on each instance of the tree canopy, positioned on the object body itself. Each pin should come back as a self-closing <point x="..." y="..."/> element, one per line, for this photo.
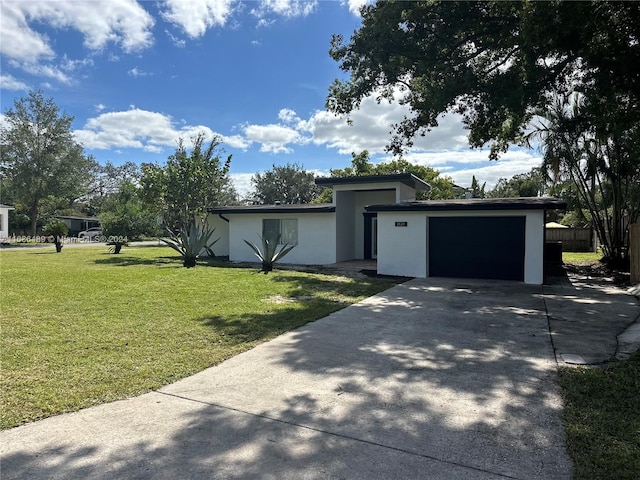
<point x="190" y="182"/>
<point x="514" y="71"/>
<point x="495" y="62"/>
<point x="442" y="187"/>
<point x="288" y="184"/>
<point x="531" y="184"/>
<point x="40" y="160"/>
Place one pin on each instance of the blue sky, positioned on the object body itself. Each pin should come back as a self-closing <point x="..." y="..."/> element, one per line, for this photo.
<point x="139" y="75"/>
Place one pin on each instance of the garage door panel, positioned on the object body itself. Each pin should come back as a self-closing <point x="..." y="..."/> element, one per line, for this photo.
<point x="477" y="247"/>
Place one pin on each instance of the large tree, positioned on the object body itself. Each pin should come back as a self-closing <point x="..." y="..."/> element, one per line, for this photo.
<point x="530" y="184"/>
<point x="493" y="62"/>
<point x="40" y="160"/>
<point x="499" y="65"/>
<point x="188" y="183"/>
<point x="602" y="161"/>
<point x="287" y="184"/>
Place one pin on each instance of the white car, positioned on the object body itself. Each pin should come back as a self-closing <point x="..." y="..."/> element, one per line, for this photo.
<point x="92" y="234"/>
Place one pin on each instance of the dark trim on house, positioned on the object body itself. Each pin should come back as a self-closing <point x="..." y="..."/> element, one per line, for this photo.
<point x="521" y="203"/>
<point x="296" y="208"/>
<point x="223" y="217"/>
<point x="408" y="179"/>
<point x="368" y="231"/>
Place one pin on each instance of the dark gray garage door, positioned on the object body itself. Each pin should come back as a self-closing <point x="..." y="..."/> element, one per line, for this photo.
<point x="477" y="247"/>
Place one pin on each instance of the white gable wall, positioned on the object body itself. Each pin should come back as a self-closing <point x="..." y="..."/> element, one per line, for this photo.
<point x="403" y="250"/>
<point x="316" y="237"/>
<point x="221" y="247"/>
<point x="4" y="222"/>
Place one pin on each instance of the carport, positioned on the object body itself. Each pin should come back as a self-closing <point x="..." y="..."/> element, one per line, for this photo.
<point x="500" y="238"/>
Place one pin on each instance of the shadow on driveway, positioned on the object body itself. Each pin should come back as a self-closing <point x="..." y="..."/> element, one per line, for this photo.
<point x="447" y="379"/>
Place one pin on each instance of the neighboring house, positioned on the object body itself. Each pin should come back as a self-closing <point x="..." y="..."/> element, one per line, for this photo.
<point x="78" y="224"/>
<point x="4" y="220"/>
<point x="377" y="217"/>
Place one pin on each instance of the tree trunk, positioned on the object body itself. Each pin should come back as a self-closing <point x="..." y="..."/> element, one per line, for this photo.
<point x="117" y="247"/>
<point x="58" y="246"/>
<point x="189" y="262"/>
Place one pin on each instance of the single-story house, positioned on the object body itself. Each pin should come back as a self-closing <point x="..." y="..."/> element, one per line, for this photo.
<point x="4" y="220"/>
<point x="377" y="217"/>
<point x="76" y="224"/>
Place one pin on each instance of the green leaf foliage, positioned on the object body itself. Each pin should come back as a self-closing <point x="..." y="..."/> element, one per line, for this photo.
<point x="287" y="184"/>
<point x="188" y="183"/>
<point x="190" y="242"/>
<point x="269" y="254"/>
<point x="566" y="69"/>
<point x="124" y="215"/>
<point x="40" y="158"/>
<point x="442" y="187"/>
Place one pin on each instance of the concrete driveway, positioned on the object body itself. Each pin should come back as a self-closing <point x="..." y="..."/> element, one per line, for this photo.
<point x="435" y="378"/>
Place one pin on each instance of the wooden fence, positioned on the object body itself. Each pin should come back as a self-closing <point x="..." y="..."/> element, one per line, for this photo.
<point x="573" y="239"/>
<point x="634" y="252"/>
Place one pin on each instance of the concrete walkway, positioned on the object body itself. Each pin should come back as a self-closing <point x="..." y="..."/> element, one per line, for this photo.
<point x="436" y="378"/>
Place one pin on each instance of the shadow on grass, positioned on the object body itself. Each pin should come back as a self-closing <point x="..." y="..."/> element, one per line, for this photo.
<point x="128" y="261"/>
<point x="257" y="327"/>
<point x="439" y="379"/>
<point x="334" y="284"/>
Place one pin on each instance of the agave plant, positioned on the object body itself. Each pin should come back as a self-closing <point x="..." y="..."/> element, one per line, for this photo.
<point x="269" y="254"/>
<point x="190" y="242"/>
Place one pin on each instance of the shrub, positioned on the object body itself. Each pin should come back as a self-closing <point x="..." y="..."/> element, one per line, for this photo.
<point x="58" y="231"/>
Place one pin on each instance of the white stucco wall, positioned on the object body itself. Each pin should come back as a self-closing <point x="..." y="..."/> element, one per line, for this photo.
<point x="405" y="193"/>
<point x="403" y="250"/>
<point x="221" y="247"/>
<point x="316" y="237"/>
<point x="4" y="223"/>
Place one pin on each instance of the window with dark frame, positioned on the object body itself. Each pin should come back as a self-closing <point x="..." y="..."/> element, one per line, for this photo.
<point x="282" y="230"/>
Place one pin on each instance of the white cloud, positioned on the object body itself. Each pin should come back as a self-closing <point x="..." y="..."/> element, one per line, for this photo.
<point x="356" y="5"/>
<point x="178" y="42"/>
<point x="136" y="128"/>
<point x="284" y="8"/>
<point x="43" y="70"/>
<point x="135" y="72"/>
<point x="242" y="182"/>
<point x="8" y="82"/>
<point x="196" y="16"/>
<point x="462" y="165"/>
<point x="123" y="22"/>
<point x="371" y="125"/>
<point x="17" y="40"/>
<point x="273" y="138"/>
<point x="100" y="107"/>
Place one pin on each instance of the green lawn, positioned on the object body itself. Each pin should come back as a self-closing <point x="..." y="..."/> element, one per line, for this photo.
<point x="602" y="420"/>
<point x="84" y="327"/>
<point x="580" y="258"/>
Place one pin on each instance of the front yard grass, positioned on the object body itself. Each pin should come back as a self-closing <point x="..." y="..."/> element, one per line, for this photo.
<point x="85" y="327"/>
<point x="602" y="420"/>
<point x="581" y="258"/>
